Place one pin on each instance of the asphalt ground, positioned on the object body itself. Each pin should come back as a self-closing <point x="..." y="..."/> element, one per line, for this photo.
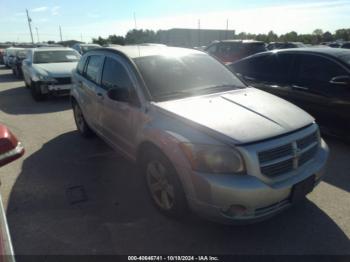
<point x="69" y="195"/>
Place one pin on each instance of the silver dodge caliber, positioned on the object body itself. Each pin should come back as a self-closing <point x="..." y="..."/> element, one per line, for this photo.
<point x="204" y="140"/>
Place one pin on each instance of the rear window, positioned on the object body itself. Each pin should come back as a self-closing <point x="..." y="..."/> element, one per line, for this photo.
<point x="55" y="56"/>
<point x="254" y="48"/>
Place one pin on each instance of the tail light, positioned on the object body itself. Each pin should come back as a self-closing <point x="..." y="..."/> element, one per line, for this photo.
<point x="10" y="147"/>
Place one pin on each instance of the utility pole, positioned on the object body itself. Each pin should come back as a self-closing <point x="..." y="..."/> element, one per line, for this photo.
<point x="199" y="32"/>
<point x="61" y="33"/>
<point x="226" y="29"/>
<point x="135" y="21"/>
<point x="81" y="37"/>
<point x="30" y="26"/>
<point x="37" y="34"/>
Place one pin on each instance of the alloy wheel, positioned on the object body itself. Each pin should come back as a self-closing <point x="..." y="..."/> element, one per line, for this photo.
<point x="161" y="189"/>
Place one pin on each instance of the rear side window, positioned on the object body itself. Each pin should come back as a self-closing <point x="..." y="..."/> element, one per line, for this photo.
<point x="93" y="67"/>
<point x="81" y="65"/>
<point x="115" y="75"/>
<point x="317" y="68"/>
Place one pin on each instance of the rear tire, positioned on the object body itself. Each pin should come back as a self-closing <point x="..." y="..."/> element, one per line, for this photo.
<point x="163" y="184"/>
<point x="82" y="126"/>
<point x="36" y="92"/>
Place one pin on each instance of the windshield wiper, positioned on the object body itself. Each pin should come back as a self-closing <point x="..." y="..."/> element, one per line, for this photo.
<point x="176" y="94"/>
<point x="216" y="88"/>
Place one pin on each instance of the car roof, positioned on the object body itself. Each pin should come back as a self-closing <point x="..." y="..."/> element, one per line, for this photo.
<point x="88" y="44"/>
<point x="249" y="41"/>
<point x="53" y="48"/>
<point x="337" y="52"/>
<point x="136" y="51"/>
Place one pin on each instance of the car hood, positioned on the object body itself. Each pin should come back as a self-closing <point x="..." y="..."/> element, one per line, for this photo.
<point x="244" y="115"/>
<point x="56" y="69"/>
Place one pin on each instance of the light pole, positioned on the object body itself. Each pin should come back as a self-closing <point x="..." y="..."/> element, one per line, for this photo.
<point x="37" y="34"/>
<point x="60" y="33"/>
<point x="30" y="26"/>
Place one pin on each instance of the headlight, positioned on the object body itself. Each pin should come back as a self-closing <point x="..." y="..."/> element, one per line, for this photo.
<point x="46" y="78"/>
<point x="213" y="159"/>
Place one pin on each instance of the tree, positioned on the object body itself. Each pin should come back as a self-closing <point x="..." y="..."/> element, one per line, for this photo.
<point x="318" y="32"/>
<point x="140" y="36"/>
<point x="271" y="37"/>
<point x="117" y="40"/>
<point x="100" y="41"/>
<point x="343" y="34"/>
<point x="327" y="37"/>
<point x="289" y="37"/>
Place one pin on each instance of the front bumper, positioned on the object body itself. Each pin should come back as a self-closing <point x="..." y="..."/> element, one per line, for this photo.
<point x="213" y="195"/>
<point x="55" y="88"/>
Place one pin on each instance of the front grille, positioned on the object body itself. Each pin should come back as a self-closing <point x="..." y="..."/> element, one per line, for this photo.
<point x="278" y="168"/>
<point x="63" y="80"/>
<point x="308" y="155"/>
<point x="276" y="152"/>
<point x="286" y="158"/>
<point x="308" y="140"/>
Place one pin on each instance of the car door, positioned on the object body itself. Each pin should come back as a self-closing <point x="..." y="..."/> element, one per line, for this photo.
<point x="326" y="101"/>
<point x="26" y="64"/>
<point x="120" y="119"/>
<point x="91" y="99"/>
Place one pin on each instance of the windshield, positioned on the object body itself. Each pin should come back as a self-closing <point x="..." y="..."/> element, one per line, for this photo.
<point x="21" y="53"/>
<point x="55" y="56"/>
<point x="170" y="77"/>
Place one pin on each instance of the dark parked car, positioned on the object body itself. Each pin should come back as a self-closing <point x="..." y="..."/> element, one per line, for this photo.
<point x="346" y="45"/>
<point x="1" y="56"/>
<point x="229" y="51"/>
<point x="316" y="79"/>
<point x="284" y="45"/>
<point x="16" y="64"/>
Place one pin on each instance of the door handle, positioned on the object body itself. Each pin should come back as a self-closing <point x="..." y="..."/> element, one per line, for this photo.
<point x="300" y="87"/>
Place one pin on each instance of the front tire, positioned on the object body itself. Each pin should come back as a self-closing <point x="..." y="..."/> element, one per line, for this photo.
<point x="36" y="92"/>
<point x="164" y="184"/>
<point x="80" y="122"/>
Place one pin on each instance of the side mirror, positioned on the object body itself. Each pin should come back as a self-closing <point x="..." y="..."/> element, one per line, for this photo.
<point x="119" y="94"/>
<point x="26" y="62"/>
<point x="10" y="148"/>
<point x="340" y="80"/>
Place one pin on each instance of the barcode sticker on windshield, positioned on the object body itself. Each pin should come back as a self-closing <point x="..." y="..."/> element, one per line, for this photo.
<point x="71" y="57"/>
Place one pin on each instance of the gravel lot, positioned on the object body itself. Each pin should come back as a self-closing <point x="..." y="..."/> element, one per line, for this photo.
<point x="117" y="217"/>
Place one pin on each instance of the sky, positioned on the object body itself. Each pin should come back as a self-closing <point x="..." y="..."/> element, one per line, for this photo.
<point x="83" y="20"/>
